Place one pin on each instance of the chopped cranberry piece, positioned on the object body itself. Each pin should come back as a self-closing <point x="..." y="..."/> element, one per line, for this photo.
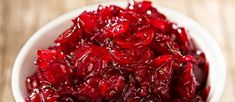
<point x="111" y="86"/>
<point x="57" y="71"/>
<point x="34" y="97"/>
<point x="116" y="29"/>
<point x="162" y="76"/>
<point x="115" y="54"/>
<point x="89" y="22"/>
<point x="46" y="55"/>
<point x="159" y="24"/>
<point x="131" y="93"/>
<point x="90" y="60"/>
<point x="32" y="82"/>
<point x="89" y="88"/>
<point x="185" y="83"/>
<point x="71" y="36"/>
<point x="141" y="38"/>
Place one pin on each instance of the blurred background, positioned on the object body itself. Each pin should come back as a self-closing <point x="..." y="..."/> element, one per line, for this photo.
<point x="19" y="19"/>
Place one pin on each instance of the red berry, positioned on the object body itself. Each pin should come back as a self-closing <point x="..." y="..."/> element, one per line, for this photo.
<point x="141" y="38"/>
<point x="186" y="85"/>
<point x="89" y="88"/>
<point x="162" y="76"/>
<point x="116" y="29"/>
<point x="57" y="72"/>
<point x="89" y="22"/>
<point x="112" y="85"/>
<point x="32" y="82"/>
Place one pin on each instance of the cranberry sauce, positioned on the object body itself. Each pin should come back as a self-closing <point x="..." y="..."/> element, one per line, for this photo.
<point x="132" y="54"/>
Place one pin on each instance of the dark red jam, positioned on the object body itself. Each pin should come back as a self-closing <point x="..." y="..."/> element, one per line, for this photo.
<point x="115" y="54"/>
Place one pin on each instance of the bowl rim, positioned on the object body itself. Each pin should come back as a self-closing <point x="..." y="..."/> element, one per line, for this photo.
<point x="29" y="43"/>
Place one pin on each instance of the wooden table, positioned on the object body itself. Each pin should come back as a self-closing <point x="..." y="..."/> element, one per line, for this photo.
<point x="19" y="19"/>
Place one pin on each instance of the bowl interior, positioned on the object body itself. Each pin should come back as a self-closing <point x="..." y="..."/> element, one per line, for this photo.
<point x="45" y="36"/>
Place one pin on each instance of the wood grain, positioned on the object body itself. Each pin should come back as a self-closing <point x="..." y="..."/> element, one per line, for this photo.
<point x="2" y="47"/>
<point x="19" y="19"/>
<point x="229" y="30"/>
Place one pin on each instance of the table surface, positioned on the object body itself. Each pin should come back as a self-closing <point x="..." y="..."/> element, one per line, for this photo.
<point x="19" y="19"/>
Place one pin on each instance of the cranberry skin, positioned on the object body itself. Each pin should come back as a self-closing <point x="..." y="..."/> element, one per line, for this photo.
<point x="160" y="25"/>
<point x="50" y="54"/>
<point x="180" y="36"/>
<point x="32" y="82"/>
<point x="186" y="84"/>
<point x="112" y="85"/>
<point x="49" y="95"/>
<point x="57" y="71"/>
<point x="116" y="29"/>
<point x="162" y="76"/>
<point x="200" y="77"/>
<point x="89" y="22"/>
<point x="141" y="38"/>
<point x="197" y="99"/>
<point x="89" y="88"/>
<point x="163" y="45"/>
<point x="46" y="55"/>
<point x="68" y="99"/>
<point x="144" y="55"/>
<point x="142" y="74"/>
<point x="205" y="92"/>
<point x="33" y="97"/>
<point x="162" y="60"/>
<point x="90" y="60"/>
<point x="66" y="88"/>
<point x="70" y="38"/>
<point x="140" y="7"/>
<point x="131" y="93"/>
<point x="104" y="13"/>
<point x="43" y="94"/>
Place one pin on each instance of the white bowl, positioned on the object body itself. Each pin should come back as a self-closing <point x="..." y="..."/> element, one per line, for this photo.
<point x="45" y="36"/>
